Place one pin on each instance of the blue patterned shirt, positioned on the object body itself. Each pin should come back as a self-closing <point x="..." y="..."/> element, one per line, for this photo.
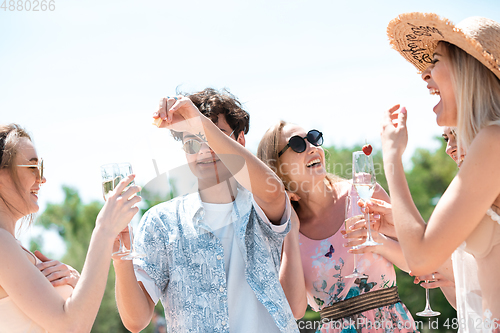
<point x="184" y="261"/>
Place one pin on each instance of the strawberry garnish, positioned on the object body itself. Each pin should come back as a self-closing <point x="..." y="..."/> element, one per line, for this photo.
<point x="367" y="149"/>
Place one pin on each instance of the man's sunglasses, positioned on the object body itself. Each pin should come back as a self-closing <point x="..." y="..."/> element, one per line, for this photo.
<point x="39" y="166"/>
<point x="298" y="143"/>
<point x="192" y="146"/>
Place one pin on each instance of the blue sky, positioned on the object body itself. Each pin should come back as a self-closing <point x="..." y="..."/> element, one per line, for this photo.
<point x="85" y="78"/>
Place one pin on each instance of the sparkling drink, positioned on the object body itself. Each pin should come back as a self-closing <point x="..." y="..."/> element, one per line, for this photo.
<point x="365" y="191"/>
<point x="109" y="185"/>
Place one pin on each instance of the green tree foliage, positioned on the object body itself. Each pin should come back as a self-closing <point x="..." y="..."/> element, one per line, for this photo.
<point x="429" y="177"/>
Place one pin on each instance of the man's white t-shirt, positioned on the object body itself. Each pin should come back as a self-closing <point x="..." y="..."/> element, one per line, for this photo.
<point x="246" y="312"/>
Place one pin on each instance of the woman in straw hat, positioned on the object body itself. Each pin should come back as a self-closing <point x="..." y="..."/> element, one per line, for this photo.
<point x="464" y="66"/>
<point x="317" y="262"/>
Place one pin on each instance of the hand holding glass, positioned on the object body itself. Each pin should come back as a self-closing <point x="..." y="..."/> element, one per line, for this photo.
<point x="363" y="179"/>
<point x="125" y="170"/>
<point x="119" y="171"/>
<point x="353" y="214"/>
<point x="110" y="174"/>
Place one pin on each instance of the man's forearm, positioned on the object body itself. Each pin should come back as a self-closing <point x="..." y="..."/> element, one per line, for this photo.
<point x="135" y="307"/>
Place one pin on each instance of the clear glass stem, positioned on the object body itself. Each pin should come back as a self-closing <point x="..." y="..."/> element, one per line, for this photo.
<point x="132" y="253"/>
<point x="355" y="271"/>
<point x="121" y="248"/>
<point x="427" y="302"/>
<point x="428" y="312"/>
<point x="370" y="238"/>
<point x="131" y="237"/>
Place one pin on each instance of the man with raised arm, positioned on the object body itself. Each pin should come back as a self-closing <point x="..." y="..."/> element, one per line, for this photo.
<point x="213" y="256"/>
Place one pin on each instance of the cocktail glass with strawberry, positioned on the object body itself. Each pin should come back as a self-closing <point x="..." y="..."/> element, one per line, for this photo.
<point x="363" y="179"/>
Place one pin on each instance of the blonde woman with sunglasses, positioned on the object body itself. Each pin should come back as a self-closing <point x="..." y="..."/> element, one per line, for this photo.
<point x="28" y="301"/>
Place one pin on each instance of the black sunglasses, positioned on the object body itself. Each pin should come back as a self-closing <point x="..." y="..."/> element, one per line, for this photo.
<point x="298" y="143"/>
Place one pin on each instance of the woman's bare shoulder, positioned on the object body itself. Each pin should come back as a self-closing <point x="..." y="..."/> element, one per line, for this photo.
<point x="6" y="238"/>
<point x="11" y="249"/>
<point x="484" y="149"/>
<point x="491" y="132"/>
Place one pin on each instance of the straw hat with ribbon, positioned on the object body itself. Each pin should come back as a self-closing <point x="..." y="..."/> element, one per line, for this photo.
<point x="415" y="36"/>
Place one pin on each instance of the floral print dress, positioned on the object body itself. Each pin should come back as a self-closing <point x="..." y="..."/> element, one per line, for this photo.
<point x="326" y="262"/>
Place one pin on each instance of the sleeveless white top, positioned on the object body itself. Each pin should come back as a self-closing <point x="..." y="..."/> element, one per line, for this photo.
<point x="469" y="297"/>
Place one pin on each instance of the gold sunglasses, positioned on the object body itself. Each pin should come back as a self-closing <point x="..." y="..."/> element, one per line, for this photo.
<point x="39" y="166"/>
<point x="193" y="146"/>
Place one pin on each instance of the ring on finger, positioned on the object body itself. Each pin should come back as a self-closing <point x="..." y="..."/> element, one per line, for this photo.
<point x="433" y="277"/>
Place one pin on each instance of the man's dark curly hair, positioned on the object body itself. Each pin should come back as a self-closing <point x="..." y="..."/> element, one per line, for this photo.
<point x="212" y="102"/>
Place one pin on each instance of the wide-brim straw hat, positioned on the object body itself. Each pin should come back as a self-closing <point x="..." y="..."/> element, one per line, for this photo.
<point x="415" y="37"/>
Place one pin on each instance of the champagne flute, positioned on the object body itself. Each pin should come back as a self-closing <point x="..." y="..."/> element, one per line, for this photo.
<point x="427" y="312"/>
<point x="352" y="214"/>
<point x="110" y="174"/>
<point x="125" y="169"/>
<point x="363" y="179"/>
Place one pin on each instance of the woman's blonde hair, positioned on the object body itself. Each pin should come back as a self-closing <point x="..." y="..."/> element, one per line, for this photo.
<point x="477" y="94"/>
<point x="268" y="151"/>
<point x="10" y="137"/>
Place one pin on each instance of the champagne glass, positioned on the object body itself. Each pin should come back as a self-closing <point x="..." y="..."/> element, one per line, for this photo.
<point x="125" y="169"/>
<point x="427" y="312"/>
<point x="363" y="179"/>
<point x="110" y="174"/>
<point x="352" y="214"/>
